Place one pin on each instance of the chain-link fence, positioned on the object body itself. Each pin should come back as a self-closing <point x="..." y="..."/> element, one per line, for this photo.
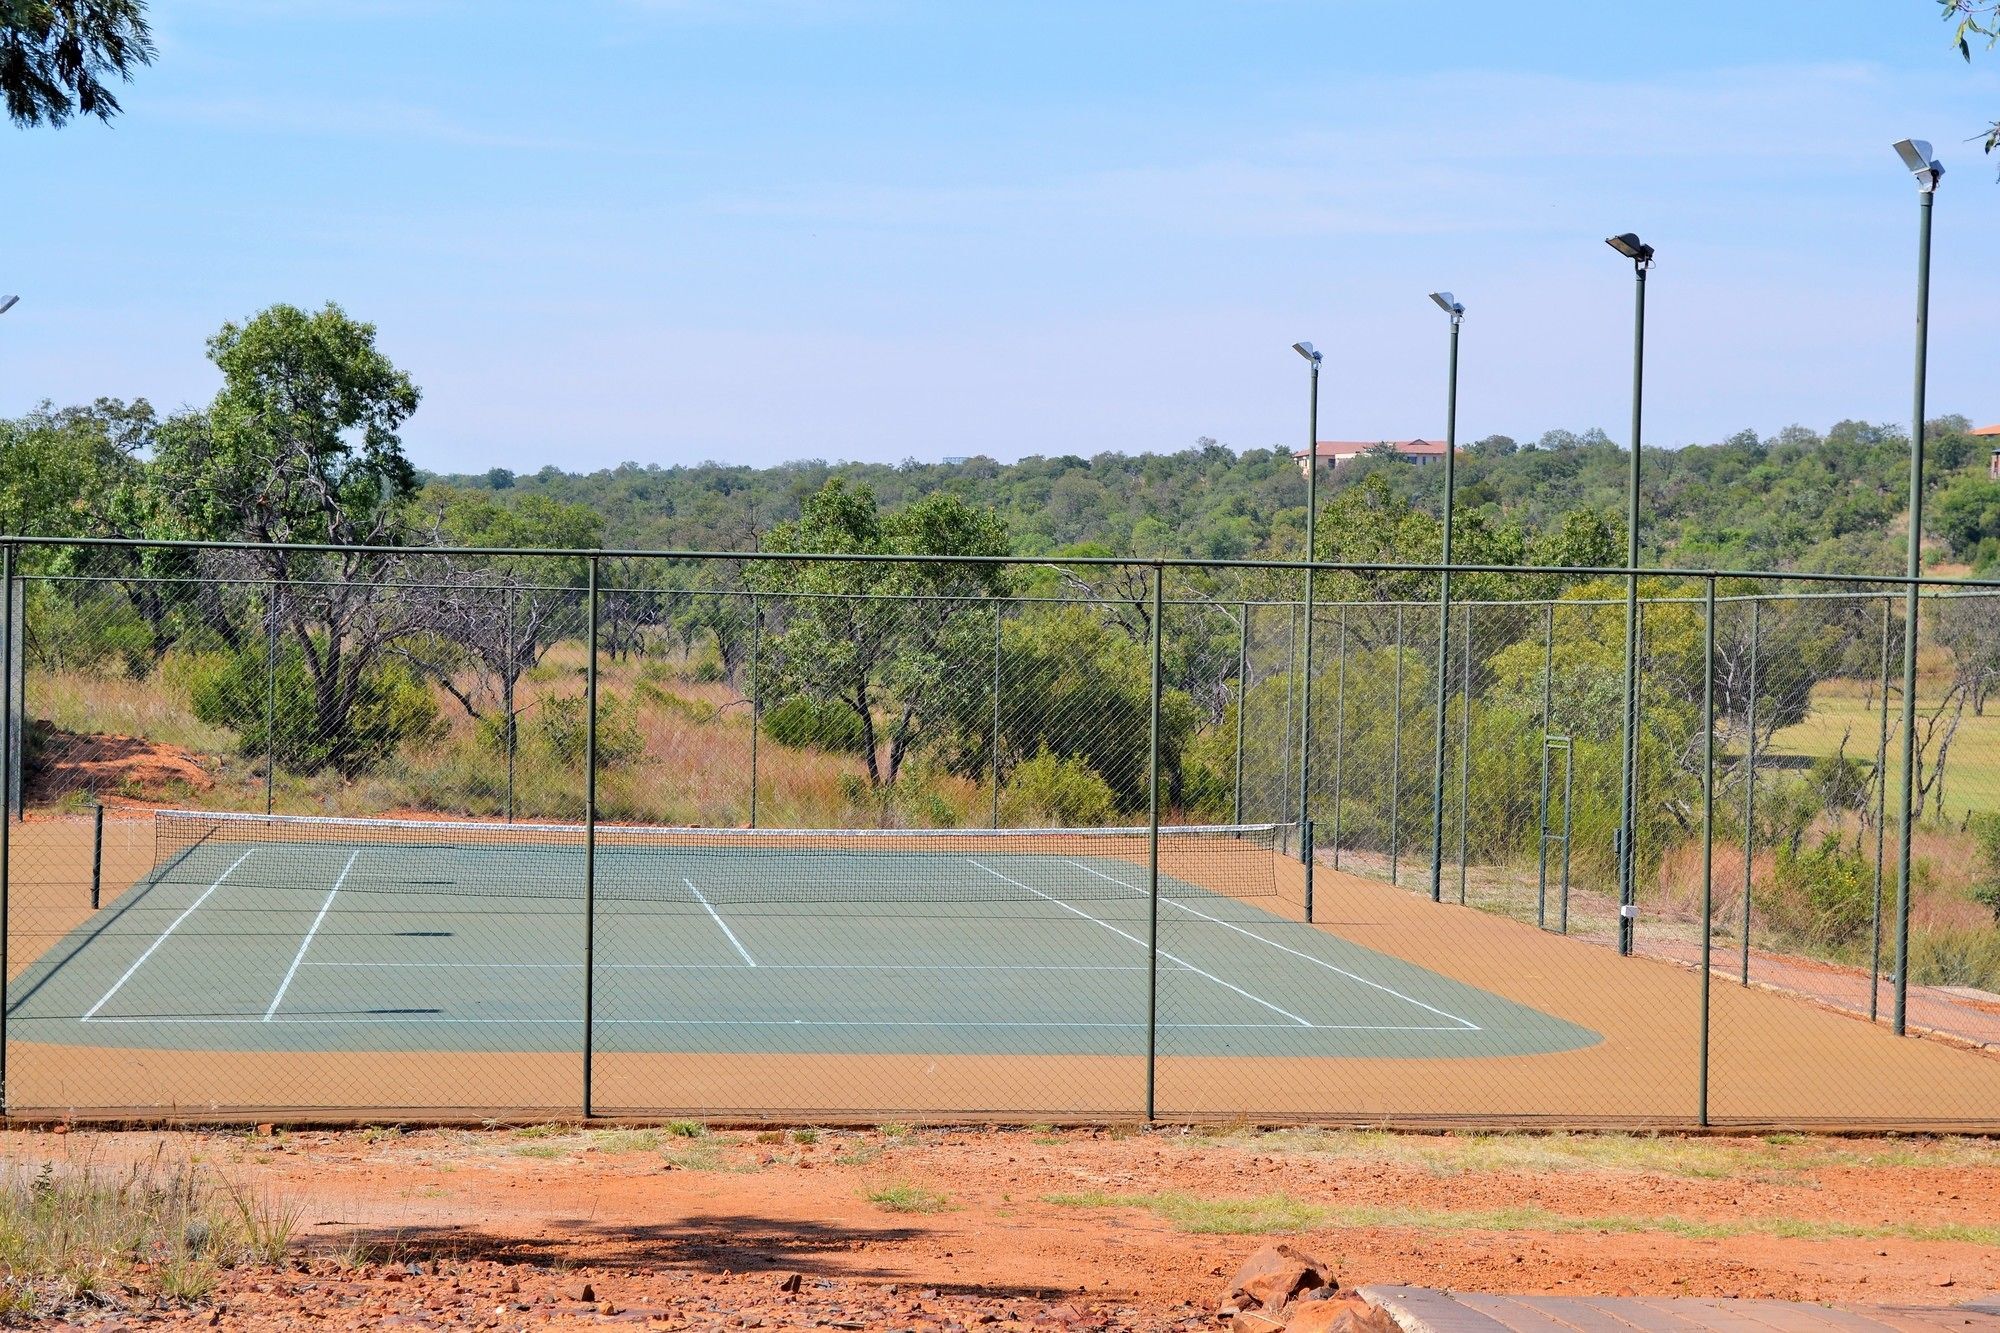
<point x="353" y="834"/>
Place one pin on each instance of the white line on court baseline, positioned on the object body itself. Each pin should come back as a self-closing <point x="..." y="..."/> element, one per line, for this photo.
<point x="173" y="925"/>
<point x="1067" y="907"/>
<point x="769" y="967"/>
<point x="421" y="1019"/>
<point x="1466" y="1023"/>
<point x="306" y="943"/>
<point x="702" y="898"/>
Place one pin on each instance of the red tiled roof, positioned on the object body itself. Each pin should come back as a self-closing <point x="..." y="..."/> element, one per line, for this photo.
<point x="1983" y="430"/>
<point x="1349" y="448"/>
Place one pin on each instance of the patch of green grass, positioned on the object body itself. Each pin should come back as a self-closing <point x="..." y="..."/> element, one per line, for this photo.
<point x="372" y="1134"/>
<point x="903" y="1197"/>
<point x="805" y="1137"/>
<point x="550" y="1131"/>
<point x="894" y="1130"/>
<point x="709" y="1157"/>
<point x="685" y="1129"/>
<point x="545" y="1151"/>
<point x="857" y="1154"/>
<point x="1686" y="1156"/>
<point x="621" y="1141"/>
<point x="1282" y="1214"/>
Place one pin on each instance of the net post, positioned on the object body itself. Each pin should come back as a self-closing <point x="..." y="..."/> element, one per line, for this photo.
<point x="6" y="802"/>
<point x="590" y="847"/>
<point x="270" y="696"/>
<point x="1708" y="825"/>
<point x="1306" y="841"/>
<point x="1750" y="793"/>
<point x="96" y="855"/>
<point x="1153" y="857"/>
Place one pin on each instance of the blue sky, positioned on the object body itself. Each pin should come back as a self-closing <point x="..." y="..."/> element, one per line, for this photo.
<point x="758" y="230"/>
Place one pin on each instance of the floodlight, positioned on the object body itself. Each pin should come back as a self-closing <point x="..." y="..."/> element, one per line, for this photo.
<point x="1916" y="155"/>
<point x="1448" y="304"/>
<point x="7" y="303"/>
<point x="1306" y="350"/>
<point x="1628" y="244"/>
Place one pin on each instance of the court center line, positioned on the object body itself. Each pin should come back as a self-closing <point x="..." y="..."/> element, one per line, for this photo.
<point x="1067" y="907"/>
<point x="172" y="926"/>
<point x="1467" y="1023"/>
<point x="702" y="898"/>
<point x="306" y="943"/>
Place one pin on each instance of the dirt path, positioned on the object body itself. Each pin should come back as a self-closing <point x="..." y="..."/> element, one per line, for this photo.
<point x="1114" y="1220"/>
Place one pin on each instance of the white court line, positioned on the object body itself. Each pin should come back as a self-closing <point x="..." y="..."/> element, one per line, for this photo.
<point x="1302" y="1022"/>
<point x="1466" y="1023"/>
<point x="768" y="967"/>
<point x="702" y="898"/>
<point x="372" y="1019"/>
<point x="306" y="943"/>
<point x="173" y="925"/>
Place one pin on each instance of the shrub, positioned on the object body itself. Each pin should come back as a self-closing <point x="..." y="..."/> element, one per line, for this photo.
<point x="563" y="722"/>
<point x="1822" y="894"/>
<point x="1955" y="957"/>
<point x="390" y="707"/>
<point x="1063" y="792"/>
<point x="802" y="722"/>
<point x="1984" y="826"/>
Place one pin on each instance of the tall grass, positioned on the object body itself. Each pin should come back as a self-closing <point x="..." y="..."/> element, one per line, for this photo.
<point x="71" y="1233"/>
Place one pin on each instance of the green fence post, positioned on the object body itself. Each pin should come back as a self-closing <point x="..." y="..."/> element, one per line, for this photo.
<point x="1153" y="857"/>
<point x="6" y="801"/>
<point x="994" y="739"/>
<point x="270" y="698"/>
<point x="1750" y="793"/>
<point x="1396" y="759"/>
<point x="1708" y="825"/>
<point x="1339" y="731"/>
<point x="1881" y="827"/>
<point x="756" y="705"/>
<point x="1242" y="695"/>
<point x="507" y="703"/>
<point x="96" y="855"/>
<point x="590" y="849"/>
<point x="1465" y="757"/>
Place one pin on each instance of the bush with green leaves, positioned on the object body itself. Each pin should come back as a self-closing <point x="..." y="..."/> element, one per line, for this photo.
<point x="388" y="708"/>
<point x="804" y="722"/>
<point x="563" y="724"/>
<point x="1821" y="894"/>
<point x="1059" y="792"/>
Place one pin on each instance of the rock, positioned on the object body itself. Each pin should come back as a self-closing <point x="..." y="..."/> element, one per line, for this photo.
<point x="266" y="1130"/>
<point x="1340" y="1314"/>
<point x="606" y="1307"/>
<point x="790" y="1282"/>
<point x="1256" y="1321"/>
<point x="587" y="1295"/>
<point x="1271" y="1277"/>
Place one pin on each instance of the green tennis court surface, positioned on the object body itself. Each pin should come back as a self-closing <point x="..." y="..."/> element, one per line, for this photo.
<point x="1004" y="944"/>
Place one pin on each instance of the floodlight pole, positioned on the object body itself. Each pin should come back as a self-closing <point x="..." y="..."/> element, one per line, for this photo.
<point x="1927" y="182"/>
<point x="1457" y="313"/>
<point x="1629" y="781"/>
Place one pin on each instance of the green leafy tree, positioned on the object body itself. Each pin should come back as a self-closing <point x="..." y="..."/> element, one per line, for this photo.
<point x="58" y="56"/>
<point x="1972" y="19"/>
<point x="301" y="445"/>
<point x="884" y="639"/>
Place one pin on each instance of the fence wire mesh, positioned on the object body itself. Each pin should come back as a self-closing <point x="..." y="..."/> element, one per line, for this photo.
<point x="354" y="834"/>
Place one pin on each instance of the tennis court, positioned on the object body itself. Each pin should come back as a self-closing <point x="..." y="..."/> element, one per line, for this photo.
<point x="291" y="934"/>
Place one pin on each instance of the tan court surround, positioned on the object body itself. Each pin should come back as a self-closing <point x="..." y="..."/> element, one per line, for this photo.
<point x="1776" y="1060"/>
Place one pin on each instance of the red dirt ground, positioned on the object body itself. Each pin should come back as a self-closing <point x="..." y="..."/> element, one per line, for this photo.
<point x="507" y="1228"/>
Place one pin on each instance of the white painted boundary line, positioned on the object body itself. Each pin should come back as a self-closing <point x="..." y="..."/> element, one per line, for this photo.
<point x="172" y="926"/>
<point x="1302" y="1022"/>
<point x="1465" y="1023"/>
<point x="702" y="898"/>
<point x="421" y="1019"/>
<point x="769" y="967"/>
<point x="306" y="943"/>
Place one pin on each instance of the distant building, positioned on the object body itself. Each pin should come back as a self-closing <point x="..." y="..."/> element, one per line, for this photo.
<point x="1333" y="453"/>
<point x="1992" y="463"/>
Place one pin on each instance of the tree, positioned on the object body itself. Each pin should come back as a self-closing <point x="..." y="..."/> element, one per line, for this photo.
<point x="55" y="56"/>
<point x="300" y="446"/>
<point x="883" y="639"/>
<point x="1976" y="18"/>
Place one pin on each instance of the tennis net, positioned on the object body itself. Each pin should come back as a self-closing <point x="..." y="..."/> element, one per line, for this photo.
<point x="667" y="865"/>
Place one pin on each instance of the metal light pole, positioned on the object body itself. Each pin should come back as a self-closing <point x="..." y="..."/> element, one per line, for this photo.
<point x="1312" y="355"/>
<point x="1916" y="155"/>
<point x="1641" y="255"/>
<point x="1456" y="311"/>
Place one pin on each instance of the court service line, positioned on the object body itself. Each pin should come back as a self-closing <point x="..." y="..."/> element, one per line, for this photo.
<point x="1226" y="985"/>
<point x="1467" y="1023"/>
<point x="172" y="926"/>
<point x="306" y="943"/>
<point x="702" y="898"/>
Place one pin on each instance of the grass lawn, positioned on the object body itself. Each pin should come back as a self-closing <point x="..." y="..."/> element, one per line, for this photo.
<point x="1842" y="708"/>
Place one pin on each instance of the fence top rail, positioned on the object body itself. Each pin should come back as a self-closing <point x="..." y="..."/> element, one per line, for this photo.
<point x="876" y="557"/>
